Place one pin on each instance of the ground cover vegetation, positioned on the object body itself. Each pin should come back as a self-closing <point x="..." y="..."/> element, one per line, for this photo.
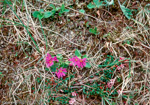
<point x="77" y="52"/>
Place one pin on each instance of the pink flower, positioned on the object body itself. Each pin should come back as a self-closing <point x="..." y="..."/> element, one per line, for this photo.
<point x="121" y="58"/>
<point x="61" y="72"/>
<point x="55" y="59"/>
<point x="81" y="63"/>
<point x="111" y="83"/>
<point x="119" y="91"/>
<point x="74" y="60"/>
<point x="72" y="101"/>
<point x="50" y="60"/>
<point x="77" y="61"/>
<point x="120" y="67"/>
<point x="73" y="93"/>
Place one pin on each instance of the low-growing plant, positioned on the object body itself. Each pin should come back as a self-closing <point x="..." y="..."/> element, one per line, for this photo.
<point x="58" y="65"/>
<point x="41" y="14"/>
<point x="101" y="88"/>
<point x="126" y="11"/>
<point x="97" y="4"/>
<point x="94" y="31"/>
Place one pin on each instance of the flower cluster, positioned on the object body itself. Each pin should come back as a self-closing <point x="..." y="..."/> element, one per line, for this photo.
<point x="72" y="100"/>
<point x="120" y="91"/>
<point x="78" y="62"/>
<point x="121" y="58"/>
<point x="73" y="93"/>
<point x="50" y="60"/>
<point x="111" y="83"/>
<point x="122" y="65"/>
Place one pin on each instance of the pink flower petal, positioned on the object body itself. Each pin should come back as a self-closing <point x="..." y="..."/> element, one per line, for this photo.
<point x="73" y="93"/>
<point x="55" y="59"/>
<point x="64" y="70"/>
<point x="121" y="58"/>
<point x="63" y="74"/>
<point x="58" y="75"/>
<point x="122" y="65"/>
<point x="111" y="83"/>
<point x="72" y="101"/>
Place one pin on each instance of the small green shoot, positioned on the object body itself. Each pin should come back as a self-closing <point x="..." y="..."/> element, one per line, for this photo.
<point x="63" y="10"/>
<point x="94" y="31"/>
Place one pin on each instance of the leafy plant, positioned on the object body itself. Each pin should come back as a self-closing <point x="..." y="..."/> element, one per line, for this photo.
<point x="96" y="3"/>
<point x="63" y="10"/>
<point x="126" y="11"/>
<point x="41" y="14"/>
<point x="54" y="10"/>
<point x="94" y="31"/>
<point x="78" y="54"/>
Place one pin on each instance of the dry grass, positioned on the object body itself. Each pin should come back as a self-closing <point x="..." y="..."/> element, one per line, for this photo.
<point x="21" y="63"/>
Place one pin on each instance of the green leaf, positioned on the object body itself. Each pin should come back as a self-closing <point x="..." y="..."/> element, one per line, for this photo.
<point x="77" y="53"/>
<point x="63" y="7"/>
<point x="51" y="5"/>
<point x="128" y="42"/>
<point x="41" y="10"/>
<point x="96" y="1"/>
<point x="84" y="56"/>
<point x="47" y="14"/>
<point x="66" y="10"/>
<point x="46" y="69"/>
<point x="95" y="29"/>
<point x="59" y="56"/>
<point x="136" y="104"/>
<point x="88" y="65"/>
<point x="82" y="10"/>
<point x="60" y="13"/>
<point x="99" y="4"/>
<point x="127" y="12"/>
<point x="90" y="6"/>
<point x="35" y="14"/>
<point x="109" y="3"/>
<point x="64" y="65"/>
<point x="40" y="16"/>
<point x="92" y="31"/>
<point x="87" y="24"/>
<point x="124" y="96"/>
<point x="57" y="8"/>
<point x="53" y="68"/>
<point x="53" y="11"/>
